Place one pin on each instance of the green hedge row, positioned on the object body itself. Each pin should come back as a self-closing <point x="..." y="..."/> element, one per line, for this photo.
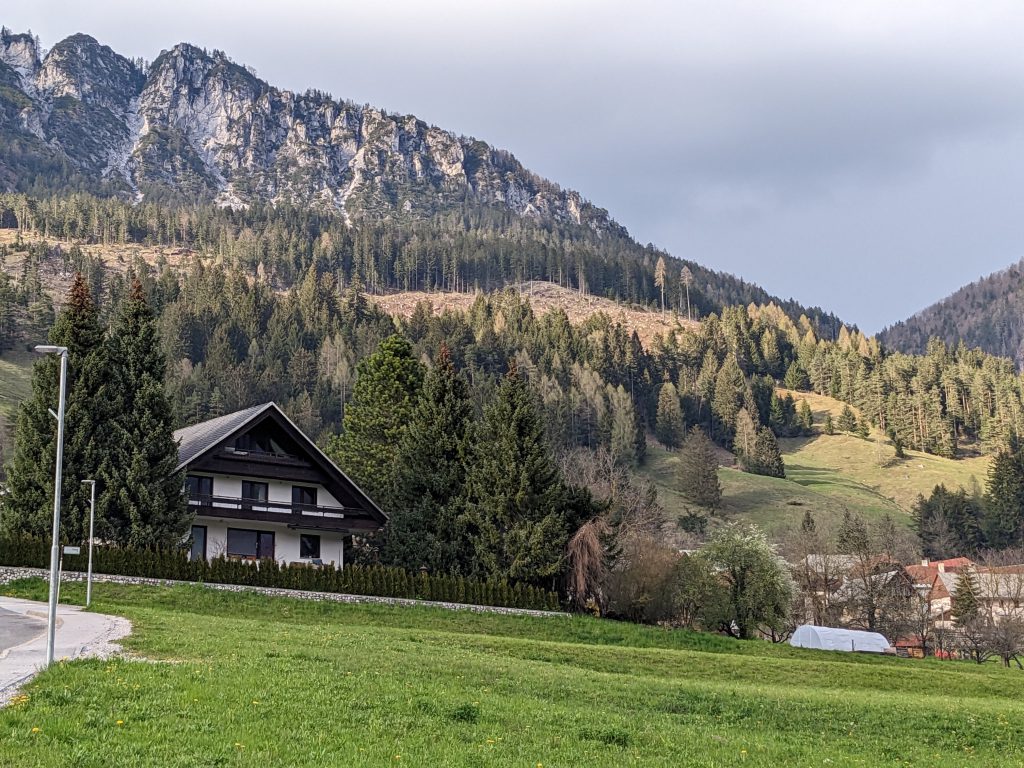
<point x="352" y="580"/>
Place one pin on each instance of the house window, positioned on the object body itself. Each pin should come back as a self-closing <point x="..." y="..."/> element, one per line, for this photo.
<point x="199" y="486"/>
<point x="254" y="491"/>
<point x="303" y="494"/>
<point x="253" y="545"/>
<point x="309" y="546"/>
<point x="198" y="551"/>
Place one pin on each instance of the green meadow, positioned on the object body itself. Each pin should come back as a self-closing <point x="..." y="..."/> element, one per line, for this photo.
<point x="243" y="680"/>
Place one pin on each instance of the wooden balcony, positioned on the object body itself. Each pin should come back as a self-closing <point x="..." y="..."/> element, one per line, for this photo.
<point x="294" y="515"/>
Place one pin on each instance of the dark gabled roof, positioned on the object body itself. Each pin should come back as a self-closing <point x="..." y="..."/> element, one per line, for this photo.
<point x="196" y="441"/>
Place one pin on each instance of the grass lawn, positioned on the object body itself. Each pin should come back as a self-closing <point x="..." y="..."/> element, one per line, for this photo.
<point x="243" y="680"/>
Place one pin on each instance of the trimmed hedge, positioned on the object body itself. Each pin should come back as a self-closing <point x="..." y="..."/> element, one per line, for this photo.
<point x="378" y="581"/>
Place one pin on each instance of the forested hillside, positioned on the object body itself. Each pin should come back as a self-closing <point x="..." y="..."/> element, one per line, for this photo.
<point x="988" y="314"/>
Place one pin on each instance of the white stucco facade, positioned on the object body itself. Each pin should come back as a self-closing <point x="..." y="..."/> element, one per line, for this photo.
<point x="227" y="491"/>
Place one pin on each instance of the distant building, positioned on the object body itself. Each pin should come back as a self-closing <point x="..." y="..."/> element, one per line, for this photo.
<point x="261" y="488"/>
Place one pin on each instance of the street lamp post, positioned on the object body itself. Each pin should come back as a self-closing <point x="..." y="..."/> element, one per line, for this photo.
<point x="92" y="525"/>
<point x="51" y="629"/>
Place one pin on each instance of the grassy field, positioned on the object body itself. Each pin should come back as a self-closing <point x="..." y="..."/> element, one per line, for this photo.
<point x="242" y="680"/>
<point x="827" y="474"/>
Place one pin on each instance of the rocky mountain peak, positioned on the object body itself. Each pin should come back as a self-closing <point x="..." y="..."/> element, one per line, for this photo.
<point x="197" y="125"/>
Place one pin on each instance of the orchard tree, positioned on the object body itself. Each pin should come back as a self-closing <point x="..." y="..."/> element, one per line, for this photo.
<point x="759" y="587"/>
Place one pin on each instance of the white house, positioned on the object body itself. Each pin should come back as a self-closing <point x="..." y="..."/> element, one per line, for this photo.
<point x="261" y="489"/>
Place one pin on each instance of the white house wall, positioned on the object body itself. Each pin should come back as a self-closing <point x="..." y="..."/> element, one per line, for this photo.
<point x="286" y="540"/>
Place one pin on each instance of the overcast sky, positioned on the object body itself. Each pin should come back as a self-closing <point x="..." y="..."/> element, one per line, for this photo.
<point x="864" y="156"/>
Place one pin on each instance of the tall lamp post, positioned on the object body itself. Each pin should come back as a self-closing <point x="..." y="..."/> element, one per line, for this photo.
<point x="92" y="525"/>
<point x="51" y="628"/>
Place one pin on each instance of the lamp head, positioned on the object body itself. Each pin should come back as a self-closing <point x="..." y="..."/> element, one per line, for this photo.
<point x="50" y="349"/>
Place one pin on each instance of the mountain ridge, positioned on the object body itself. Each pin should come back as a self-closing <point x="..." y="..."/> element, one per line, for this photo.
<point x="197" y="125"/>
<point x="987" y="313"/>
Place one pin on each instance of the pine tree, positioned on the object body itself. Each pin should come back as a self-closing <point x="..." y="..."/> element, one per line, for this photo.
<point x="669" y="425"/>
<point x="697" y="473"/>
<point x="828" y="427"/>
<point x="426" y="526"/>
<point x="140" y="503"/>
<point x="28" y="504"/>
<point x="383" y="400"/>
<point x="519" y="518"/>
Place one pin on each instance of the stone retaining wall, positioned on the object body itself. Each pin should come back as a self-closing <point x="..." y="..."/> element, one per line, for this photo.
<point x="8" y="574"/>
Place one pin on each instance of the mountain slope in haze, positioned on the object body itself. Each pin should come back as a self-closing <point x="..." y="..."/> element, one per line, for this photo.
<point x="988" y="314"/>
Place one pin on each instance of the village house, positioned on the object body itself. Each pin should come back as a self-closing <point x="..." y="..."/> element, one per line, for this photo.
<point x="260" y="488"/>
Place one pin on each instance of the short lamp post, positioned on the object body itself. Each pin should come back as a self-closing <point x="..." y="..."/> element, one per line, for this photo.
<point x="92" y="527"/>
<point x="51" y="628"/>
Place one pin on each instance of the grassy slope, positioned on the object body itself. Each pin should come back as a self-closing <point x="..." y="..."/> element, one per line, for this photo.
<point x="15" y="385"/>
<point x="827" y="474"/>
<point x="258" y="681"/>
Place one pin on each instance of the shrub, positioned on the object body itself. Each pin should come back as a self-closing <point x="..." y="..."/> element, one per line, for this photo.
<point x="28" y="552"/>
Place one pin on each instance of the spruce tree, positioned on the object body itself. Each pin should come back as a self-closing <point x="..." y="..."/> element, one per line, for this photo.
<point x="965" y="598"/>
<point x="519" y="513"/>
<point x="140" y="501"/>
<point x="828" y="427"/>
<point x="805" y="418"/>
<point x="847" y="420"/>
<point x="669" y="424"/>
<point x="1004" y="500"/>
<point x="426" y="526"/>
<point x="383" y="400"/>
<point x="796" y="378"/>
<point x="766" y="458"/>
<point x="697" y="473"/>
<point x="27" y="507"/>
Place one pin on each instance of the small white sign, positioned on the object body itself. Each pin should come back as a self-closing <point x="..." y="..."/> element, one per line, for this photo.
<point x="72" y="550"/>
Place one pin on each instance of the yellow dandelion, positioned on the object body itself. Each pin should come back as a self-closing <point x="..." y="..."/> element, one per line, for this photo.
<point x="35" y="730"/>
<point x="120" y="722"/>
<point x="239" y="745"/>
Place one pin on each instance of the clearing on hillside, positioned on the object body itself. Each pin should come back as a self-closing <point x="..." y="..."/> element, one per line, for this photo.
<point x="826" y="474"/>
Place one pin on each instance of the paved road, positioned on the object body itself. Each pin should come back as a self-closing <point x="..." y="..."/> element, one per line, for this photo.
<point x="79" y="635"/>
<point x="16" y="628"/>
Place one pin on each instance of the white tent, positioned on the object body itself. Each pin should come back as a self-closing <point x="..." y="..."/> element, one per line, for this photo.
<point x="832" y="639"/>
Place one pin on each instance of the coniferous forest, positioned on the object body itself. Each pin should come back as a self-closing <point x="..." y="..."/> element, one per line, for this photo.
<point x="275" y="304"/>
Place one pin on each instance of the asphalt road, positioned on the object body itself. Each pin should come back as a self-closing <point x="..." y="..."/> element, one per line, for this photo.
<point x="16" y="629"/>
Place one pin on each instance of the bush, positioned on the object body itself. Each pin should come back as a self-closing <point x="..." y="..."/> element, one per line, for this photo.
<point x="27" y="552"/>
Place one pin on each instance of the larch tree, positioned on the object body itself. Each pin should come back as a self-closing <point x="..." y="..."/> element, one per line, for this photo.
<point x="659" y="279"/>
<point x="140" y="501"/>
<point x="686" y="278"/>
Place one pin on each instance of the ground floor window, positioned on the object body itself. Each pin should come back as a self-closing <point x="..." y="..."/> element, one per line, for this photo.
<point x="198" y="551"/>
<point x="256" y="545"/>
<point x="309" y="546"/>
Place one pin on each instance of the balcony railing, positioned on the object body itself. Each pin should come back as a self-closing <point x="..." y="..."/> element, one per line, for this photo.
<point x="292" y="514"/>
